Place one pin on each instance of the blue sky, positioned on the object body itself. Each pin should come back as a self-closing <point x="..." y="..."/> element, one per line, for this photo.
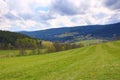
<point x="30" y="15"/>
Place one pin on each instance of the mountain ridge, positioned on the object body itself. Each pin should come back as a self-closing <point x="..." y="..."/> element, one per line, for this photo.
<point x="71" y="34"/>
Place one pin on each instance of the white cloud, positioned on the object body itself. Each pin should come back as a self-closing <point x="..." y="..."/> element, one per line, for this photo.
<point x="43" y="14"/>
<point x="61" y="21"/>
<point x="3" y="8"/>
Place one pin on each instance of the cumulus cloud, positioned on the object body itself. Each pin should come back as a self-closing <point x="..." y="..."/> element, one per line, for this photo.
<point x="70" y="7"/>
<point x="43" y="14"/>
<point x="113" y="4"/>
<point x="3" y="8"/>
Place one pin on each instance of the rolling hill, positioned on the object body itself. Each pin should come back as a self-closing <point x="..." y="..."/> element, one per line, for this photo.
<point x="73" y="34"/>
<point x="98" y="62"/>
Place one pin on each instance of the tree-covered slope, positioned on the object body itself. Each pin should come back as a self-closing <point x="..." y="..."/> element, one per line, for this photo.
<point x="98" y="62"/>
<point x="72" y="34"/>
<point x="7" y="37"/>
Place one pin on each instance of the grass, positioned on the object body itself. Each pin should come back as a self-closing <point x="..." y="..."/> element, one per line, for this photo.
<point x="4" y="53"/>
<point x="14" y="53"/>
<point x="88" y="42"/>
<point x="98" y="62"/>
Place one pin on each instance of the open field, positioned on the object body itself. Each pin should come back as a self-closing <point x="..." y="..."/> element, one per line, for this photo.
<point x="89" y="42"/>
<point x="98" y="62"/>
<point x="14" y="53"/>
<point x="4" y="53"/>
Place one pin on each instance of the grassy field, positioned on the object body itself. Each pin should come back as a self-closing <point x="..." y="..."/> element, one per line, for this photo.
<point x="14" y="53"/>
<point x="89" y="42"/>
<point x="4" y="53"/>
<point x="98" y="62"/>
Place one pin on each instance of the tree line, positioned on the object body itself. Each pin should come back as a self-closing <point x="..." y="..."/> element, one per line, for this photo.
<point x="38" y="46"/>
<point x="41" y="47"/>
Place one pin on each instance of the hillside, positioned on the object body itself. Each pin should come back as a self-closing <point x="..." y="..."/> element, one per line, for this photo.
<point x="7" y="37"/>
<point x="98" y="62"/>
<point x="73" y="34"/>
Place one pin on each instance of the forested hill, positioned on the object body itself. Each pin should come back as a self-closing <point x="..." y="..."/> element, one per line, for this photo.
<point x="12" y="40"/>
<point x="109" y="32"/>
<point x="9" y="38"/>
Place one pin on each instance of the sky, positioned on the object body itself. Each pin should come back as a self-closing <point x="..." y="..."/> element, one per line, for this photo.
<point x="31" y="15"/>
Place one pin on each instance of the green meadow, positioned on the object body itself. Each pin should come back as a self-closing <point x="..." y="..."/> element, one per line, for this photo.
<point x="97" y="62"/>
<point x="89" y="42"/>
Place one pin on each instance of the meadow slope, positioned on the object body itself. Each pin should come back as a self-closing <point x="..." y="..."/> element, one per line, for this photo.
<point x="98" y="62"/>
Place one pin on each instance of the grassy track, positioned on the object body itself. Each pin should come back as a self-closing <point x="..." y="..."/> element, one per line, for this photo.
<point x="100" y="62"/>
